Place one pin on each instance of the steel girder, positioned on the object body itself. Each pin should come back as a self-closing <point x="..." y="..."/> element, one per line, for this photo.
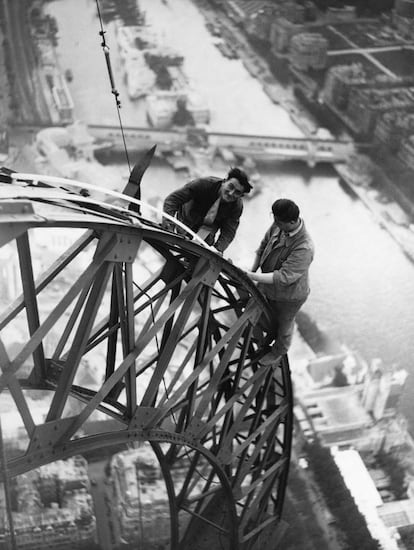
<point x="154" y="330"/>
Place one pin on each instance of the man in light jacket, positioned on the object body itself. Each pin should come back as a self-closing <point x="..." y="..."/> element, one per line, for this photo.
<point x="284" y="257"/>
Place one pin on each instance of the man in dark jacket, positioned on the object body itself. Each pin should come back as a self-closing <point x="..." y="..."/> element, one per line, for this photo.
<point x="208" y="205"/>
<point x="284" y="257"/>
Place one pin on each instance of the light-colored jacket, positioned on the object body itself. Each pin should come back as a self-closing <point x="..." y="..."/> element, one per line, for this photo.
<point x="289" y="257"/>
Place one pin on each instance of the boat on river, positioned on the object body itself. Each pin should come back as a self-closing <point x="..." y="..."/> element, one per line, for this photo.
<point x="214" y="28"/>
<point x="226" y="49"/>
<point x="69" y="75"/>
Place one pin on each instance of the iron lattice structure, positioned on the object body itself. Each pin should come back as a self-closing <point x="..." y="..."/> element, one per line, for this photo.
<point x="154" y="330"/>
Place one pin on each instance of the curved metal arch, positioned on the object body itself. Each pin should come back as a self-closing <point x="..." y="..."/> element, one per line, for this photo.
<point x="173" y="321"/>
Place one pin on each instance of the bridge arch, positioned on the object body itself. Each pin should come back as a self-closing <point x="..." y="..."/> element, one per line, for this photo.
<point x="152" y="330"/>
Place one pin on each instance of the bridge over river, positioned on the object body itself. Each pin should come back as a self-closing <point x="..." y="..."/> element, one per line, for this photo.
<point x="310" y="149"/>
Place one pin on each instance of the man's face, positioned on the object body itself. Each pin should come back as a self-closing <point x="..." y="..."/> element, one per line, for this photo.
<point x="285" y="226"/>
<point x="231" y="190"/>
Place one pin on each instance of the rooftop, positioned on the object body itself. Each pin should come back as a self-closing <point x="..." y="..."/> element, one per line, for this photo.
<point x="336" y="408"/>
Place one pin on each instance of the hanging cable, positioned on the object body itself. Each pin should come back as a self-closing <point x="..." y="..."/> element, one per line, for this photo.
<point x="114" y="91"/>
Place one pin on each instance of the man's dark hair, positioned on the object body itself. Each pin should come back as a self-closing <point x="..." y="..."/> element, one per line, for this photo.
<point x="285" y="210"/>
<point x="241" y="177"/>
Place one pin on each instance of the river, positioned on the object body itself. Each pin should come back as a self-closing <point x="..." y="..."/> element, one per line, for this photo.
<point x="362" y="283"/>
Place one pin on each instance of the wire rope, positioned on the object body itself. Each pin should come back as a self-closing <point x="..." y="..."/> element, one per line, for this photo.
<point x="114" y="90"/>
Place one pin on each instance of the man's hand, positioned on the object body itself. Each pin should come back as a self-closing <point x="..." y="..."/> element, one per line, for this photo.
<point x="168" y="225"/>
<point x="266" y="278"/>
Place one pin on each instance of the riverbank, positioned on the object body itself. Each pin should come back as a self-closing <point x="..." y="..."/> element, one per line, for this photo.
<point x="386" y="212"/>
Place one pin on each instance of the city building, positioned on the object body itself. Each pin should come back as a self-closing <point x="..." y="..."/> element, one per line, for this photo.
<point x="347" y="401"/>
<point x="294" y="12"/>
<point x="243" y="10"/>
<point x="339" y="81"/>
<point x="392" y="127"/>
<point x="51" y="508"/>
<point x="308" y="51"/>
<point x="338" y="417"/>
<point x="382" y="518"/>
<point x="404" y="8"/>
<point x="140" y="498"/>
<point x="259" y="24"/>
<point x="351" y="407"/>
<point x="382" y="391"/>
<point x="281" y="33"/>
<point x="404" y="26"/>
<point x="362" y="102"/>
<point x="388" y="519"/>
<point x="406" y="152"/>
<point x="344" y="13"/>
<point x="366" y="105"/>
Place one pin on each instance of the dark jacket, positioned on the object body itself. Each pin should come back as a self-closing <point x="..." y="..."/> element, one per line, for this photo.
<point x="192" y="202"/>
<point x="289" y="257"/>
